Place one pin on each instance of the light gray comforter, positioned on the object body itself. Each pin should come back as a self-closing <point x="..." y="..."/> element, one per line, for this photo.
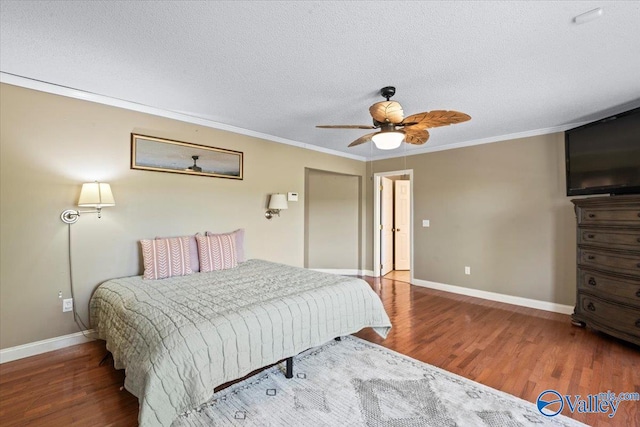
<point x="178" y="338"/>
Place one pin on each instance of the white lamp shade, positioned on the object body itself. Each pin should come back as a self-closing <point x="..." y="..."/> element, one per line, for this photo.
<point x="388" y="140"/>
<point x="96" y="195"/>
<point x="278" y="201"/>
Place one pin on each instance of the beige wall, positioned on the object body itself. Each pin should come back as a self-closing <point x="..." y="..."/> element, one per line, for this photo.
<point x="51" y="144"/>
<point x="499" y="208"/>
<point x="333" y="221"/>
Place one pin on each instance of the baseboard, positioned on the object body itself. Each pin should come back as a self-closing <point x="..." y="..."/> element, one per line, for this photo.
<point x="345" y="271"/>
<point x="31" y="349"/>
<point x="39" y="347"/>
<point x="493" y="296"/>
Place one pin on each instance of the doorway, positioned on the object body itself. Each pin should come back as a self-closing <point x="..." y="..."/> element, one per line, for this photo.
<point x="393" y="225"/>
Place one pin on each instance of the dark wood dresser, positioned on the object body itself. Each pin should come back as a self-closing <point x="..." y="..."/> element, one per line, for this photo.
<point x="608" y="287"/>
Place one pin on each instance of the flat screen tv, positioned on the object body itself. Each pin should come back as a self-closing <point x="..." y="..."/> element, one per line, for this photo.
<point x="603" y="157"/>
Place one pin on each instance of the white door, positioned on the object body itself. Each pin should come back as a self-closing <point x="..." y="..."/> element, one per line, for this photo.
<point x="386" y="220"/>
<point x="402" y="225"/>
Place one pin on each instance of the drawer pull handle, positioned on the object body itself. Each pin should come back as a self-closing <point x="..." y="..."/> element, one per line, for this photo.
<point x="590" y="236"/>
<point x="594" y="215"/>
<point x="591" y="257"/>
<point x="592" y="282"/>
<point x="638" y="293"/>
<point x="638" y="240"/>
<point x="638" y="323"/>
<point x="592" y="307"/>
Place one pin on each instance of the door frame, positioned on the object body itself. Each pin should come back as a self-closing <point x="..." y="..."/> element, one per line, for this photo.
<point x="387" y="259"/>
<point x="376" y="217"/>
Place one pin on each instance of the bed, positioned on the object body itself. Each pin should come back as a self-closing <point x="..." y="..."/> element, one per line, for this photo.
<point x="180" y="337"/>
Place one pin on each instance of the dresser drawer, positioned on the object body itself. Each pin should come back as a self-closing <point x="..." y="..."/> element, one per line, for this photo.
<point x="622" y="318"/>
<point x="610" y="238"/>
<point x="609" y="287"/>
<point x="612" y="216"/>
<point x="601" y="259"/>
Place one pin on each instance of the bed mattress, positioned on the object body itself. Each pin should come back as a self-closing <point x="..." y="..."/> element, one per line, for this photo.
<point x="179" y="338"/>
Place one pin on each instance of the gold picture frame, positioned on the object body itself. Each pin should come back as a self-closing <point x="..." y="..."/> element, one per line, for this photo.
<point x="166" y="155"/>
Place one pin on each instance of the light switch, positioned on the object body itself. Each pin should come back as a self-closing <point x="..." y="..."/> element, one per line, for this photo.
<point x="292" y="197"/>
<point x="425" y="223"/>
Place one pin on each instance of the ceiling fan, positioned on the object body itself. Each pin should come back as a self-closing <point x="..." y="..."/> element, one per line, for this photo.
<point x="194" y="167"/>
<point x="395" y="128"/>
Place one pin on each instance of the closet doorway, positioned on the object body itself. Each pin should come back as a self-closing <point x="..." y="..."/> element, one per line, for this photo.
<point x="333" y="222"/>
<point x="393" y="225"/>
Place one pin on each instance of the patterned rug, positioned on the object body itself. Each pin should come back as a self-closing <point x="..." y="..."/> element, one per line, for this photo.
<point x="357" y="383"/>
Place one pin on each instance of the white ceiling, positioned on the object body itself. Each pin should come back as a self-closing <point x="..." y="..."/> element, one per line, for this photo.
<point x="279" y="68"/>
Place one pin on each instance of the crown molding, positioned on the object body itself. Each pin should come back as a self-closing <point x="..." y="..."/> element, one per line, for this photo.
<point x="42" y="86"/>
<point x="481" y="141"/>
<point x="15" y="80"/>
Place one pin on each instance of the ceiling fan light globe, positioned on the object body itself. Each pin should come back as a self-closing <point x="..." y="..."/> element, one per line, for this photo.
<point x="388" y="140"/>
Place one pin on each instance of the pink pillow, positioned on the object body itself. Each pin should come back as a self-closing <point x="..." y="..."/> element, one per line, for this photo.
<point x="166" y="257"/>
<point x="239" y="237"/>
<point x="217" y="252"/>
<point x="193" y="252"/>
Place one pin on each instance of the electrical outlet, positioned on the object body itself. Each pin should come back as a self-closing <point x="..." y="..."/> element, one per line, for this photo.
<point x="467" y="270"/>
<point x="425" y="223"/>
<point x="67" y="305"/>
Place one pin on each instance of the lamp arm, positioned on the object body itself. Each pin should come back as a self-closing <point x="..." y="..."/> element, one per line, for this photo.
<point x="271" y="212"/>
<point x="71" y="216"/>
<point x="97" y="210"/>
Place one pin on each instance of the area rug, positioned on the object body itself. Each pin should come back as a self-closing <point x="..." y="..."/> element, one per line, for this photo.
<point x="356" y="383"/>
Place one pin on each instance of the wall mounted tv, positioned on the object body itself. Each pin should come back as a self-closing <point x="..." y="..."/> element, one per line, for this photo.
<point x="603" y="157"/>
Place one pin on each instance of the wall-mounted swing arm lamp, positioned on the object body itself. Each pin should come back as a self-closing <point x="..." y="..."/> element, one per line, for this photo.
<point x="277" y="202"/>
<point x="93" y="195"/>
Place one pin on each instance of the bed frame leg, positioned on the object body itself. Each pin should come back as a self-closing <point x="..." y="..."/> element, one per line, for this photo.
<point x="289" y="373"/>
<point x="105" y="358"/>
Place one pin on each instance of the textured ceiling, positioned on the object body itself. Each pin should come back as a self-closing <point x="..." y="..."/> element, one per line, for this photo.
<point x="280" y="68"/>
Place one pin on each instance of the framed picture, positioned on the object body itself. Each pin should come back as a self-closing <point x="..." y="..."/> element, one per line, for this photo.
<point x="165" y="155"/>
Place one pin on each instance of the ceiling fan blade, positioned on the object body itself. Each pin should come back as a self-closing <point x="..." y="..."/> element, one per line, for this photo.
<point x="387" y="112"/>
<point x="435" y="118"/>
<point x="416" y="136"/>
<point x="346" y="127"/>
<point x="362" y="139"/>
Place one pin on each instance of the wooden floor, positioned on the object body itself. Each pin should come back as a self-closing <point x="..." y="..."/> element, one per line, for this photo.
<point x="399" y="275"/>
<point x="517" y="350"/>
